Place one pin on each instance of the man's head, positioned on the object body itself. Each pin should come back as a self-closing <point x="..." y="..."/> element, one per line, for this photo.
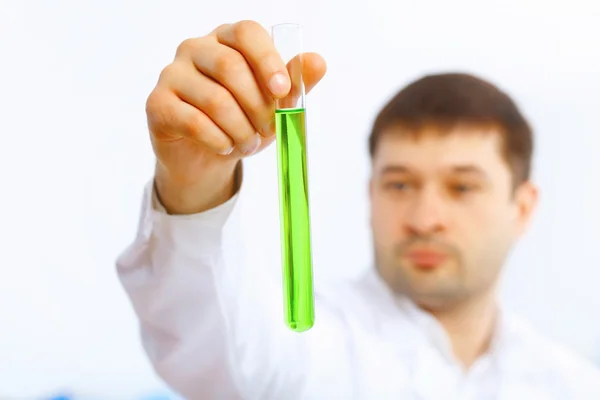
<point x="450" y="190"/>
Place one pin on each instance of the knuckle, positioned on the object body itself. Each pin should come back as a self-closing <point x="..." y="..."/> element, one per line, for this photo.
<point x="193" y="126"/>
<point x="229" y="64"/>
<point x="166" y="73"/>
<point x="153" y="104"/>
<point x="221" y="28"/>
<point x="188" y="46"/>
<point x="269" y="60"/>
<point x="245" y="29"/>
<point x="218" y="102"/>
<point x="160" y="115"/>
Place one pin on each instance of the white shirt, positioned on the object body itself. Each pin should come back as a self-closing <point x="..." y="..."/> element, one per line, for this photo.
<point x="214" y="330"/>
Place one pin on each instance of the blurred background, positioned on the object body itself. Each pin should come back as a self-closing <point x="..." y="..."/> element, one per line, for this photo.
<point x="75" y="155"/>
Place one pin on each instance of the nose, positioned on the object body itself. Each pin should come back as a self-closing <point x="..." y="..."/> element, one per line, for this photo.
<point x="425" y="217"/>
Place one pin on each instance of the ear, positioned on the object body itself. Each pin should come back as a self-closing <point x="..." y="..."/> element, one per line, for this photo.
<point x="526" y="202"/>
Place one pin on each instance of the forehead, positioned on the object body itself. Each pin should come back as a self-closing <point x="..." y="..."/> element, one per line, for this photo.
<point x="431" y="150"/>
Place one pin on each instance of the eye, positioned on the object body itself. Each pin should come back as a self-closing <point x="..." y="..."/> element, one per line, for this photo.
<point x="461" y="188"/>
<point x="397" y="185"/>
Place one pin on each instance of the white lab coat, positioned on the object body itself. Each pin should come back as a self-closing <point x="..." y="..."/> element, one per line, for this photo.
<point x="214" y="330"/>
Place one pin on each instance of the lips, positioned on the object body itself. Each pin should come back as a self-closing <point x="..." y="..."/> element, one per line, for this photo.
<point x="426" y="258"/>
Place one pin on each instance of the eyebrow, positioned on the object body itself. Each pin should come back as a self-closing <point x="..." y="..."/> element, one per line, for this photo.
<point x="396" y="168"/>
<point x="460" y="169"/>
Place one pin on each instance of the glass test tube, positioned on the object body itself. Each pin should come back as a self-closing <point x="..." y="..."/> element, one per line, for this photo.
<point x="293" y="185"/>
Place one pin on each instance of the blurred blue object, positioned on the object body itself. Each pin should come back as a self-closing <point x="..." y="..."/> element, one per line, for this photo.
<point x="161" y="395"/>
<point x="157" y="395"/>
<point x="62" y="396"/>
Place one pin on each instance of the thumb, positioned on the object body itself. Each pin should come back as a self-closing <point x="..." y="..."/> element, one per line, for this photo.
<point x="313" y="70"/>
<point x="305" y="70"/>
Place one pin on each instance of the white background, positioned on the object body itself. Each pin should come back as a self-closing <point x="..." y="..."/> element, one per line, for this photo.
<point x="74" y="157"/>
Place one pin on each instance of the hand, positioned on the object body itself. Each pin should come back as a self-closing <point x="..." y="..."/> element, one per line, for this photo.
<point x="213" y="105"/>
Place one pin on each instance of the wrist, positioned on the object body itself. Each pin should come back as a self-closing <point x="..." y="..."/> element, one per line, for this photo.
<point x="210" y="190"/>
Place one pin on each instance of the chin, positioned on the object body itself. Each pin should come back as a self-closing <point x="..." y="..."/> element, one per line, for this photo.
<point x="433" y="301"/>
<point x="429" y="290"/>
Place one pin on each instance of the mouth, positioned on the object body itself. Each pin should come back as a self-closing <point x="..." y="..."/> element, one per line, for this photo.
<point x="426" y="259"/>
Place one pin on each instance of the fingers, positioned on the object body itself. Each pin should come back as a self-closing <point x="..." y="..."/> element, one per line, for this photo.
<point x="171" y="119"/>
<point x="221" y="89"/>
<point x="231" y="70"/>
<point x="254" y="42"/>
<point x="220" y="105"/>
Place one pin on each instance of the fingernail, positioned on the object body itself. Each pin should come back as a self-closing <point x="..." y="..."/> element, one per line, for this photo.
<point x="252" y="145"/>
<point x="278" y="84"/>
<point x="269" y="129"/>
<point x="227" y="152"/>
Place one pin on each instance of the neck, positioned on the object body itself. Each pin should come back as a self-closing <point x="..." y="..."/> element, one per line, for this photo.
<point x="470" y="327"/>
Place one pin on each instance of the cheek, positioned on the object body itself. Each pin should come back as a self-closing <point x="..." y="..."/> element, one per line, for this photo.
<point x="386" y="217"/>
<point x="484" y="220"/>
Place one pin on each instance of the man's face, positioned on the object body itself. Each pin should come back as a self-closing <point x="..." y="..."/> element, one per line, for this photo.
<point x="444" y="214"/>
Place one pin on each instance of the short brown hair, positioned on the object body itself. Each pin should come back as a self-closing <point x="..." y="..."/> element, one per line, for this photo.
<point x="451" y="99"/>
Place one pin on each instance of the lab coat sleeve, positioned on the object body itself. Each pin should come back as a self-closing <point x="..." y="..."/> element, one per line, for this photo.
<point x="214" y="330"/>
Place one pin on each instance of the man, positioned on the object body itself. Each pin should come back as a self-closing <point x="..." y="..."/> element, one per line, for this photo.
<point x="450" y="194"/>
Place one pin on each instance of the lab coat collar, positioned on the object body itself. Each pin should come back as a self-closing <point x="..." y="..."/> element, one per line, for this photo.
<point x="437" y="335"/>
<point x="504" y="334"/>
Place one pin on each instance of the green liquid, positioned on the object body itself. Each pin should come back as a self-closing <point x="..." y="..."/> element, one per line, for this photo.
<point x="295" y="219"/>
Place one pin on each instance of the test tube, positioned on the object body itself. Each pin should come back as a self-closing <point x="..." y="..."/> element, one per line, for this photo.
<point x="290" y="128"/>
